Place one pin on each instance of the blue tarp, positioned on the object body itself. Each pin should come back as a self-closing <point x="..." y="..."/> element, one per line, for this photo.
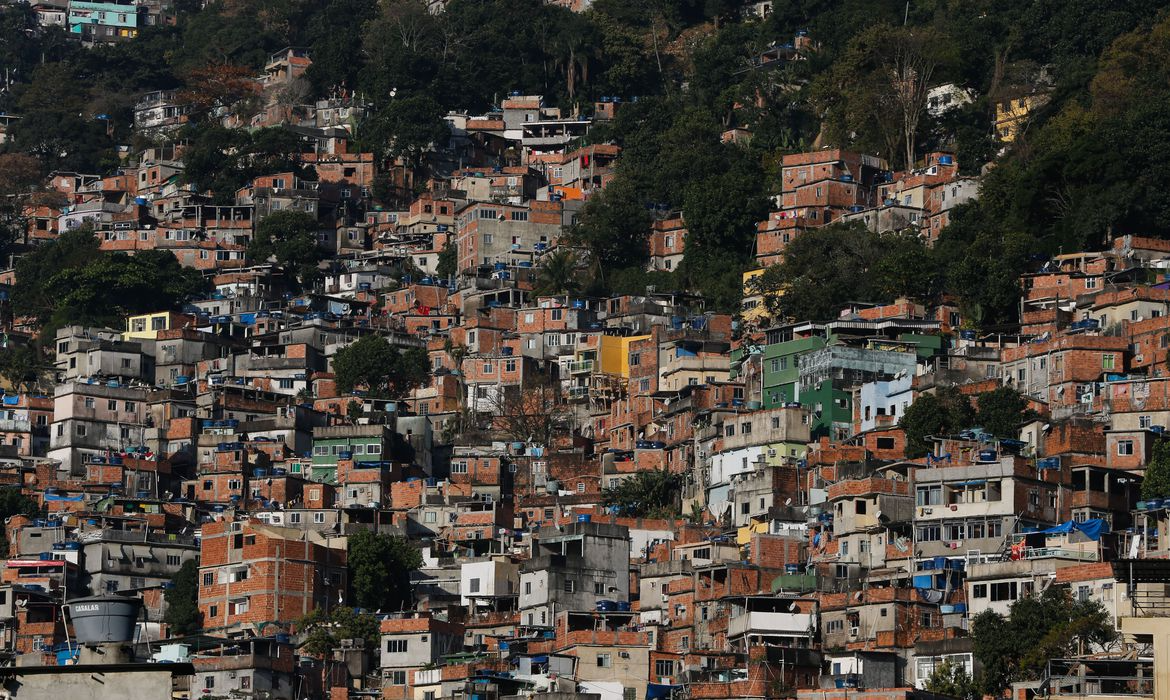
<point x="11" y="400"/>
<point x="657" y="691"/>
<point x="1092" y="528"/>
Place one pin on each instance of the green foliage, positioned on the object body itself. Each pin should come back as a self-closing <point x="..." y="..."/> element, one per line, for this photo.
<point x="290" y="238"/>
<point x="945" y="412"/>
<point x="824" y="269"/>
<point x="380" y="369"/>
<point x="13" y="502"/>
<point x="323" y="631"/>
<point x="1001" y="411"/>
<point x="223" y="161"/>
<point x="57" y="124"/>
<point x="652" y="493"/>
<point x="380" y="567"/>
<point x="1037" y="628"/>
<point x="70" y="281"/>
<point x="1156" y="482"/>
<point x="182" y="598"/>
<point x="22" y="366"/>
<point x="406" y="127"/>
<point x="950" y="678"/>
<point x="448" y="264"/>
<point x="558" y="274"/>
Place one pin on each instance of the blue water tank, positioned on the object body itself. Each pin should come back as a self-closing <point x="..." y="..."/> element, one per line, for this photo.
<point x="946" y="160"/>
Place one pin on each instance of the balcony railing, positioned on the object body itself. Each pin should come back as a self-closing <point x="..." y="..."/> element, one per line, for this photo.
<point x="581" y="367"/>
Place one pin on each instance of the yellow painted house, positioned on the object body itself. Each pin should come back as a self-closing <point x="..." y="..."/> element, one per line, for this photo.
<point x="147" y="326"/>
<point x="1011" y="115"/>
<point x="615" y="354"/>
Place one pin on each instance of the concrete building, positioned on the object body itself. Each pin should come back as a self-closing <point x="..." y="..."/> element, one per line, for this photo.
<point x="572" y="567"/>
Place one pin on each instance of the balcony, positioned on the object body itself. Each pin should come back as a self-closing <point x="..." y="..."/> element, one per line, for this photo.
<point x="769" y="623"/>
<point x="578" y="393"/>
<point x="581" y="367"/>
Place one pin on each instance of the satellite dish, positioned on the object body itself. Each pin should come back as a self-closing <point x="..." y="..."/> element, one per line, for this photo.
<point x="787" y="501"/>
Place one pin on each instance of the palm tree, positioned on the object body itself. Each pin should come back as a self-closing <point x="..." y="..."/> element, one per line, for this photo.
<point x="557" y="274"/>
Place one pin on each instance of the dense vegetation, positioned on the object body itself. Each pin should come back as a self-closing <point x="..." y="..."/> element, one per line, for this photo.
<point x="1084" y="170"/>
<point x="1040" y="627"/>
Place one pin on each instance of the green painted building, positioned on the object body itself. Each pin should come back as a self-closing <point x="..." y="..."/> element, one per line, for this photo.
<point x="362" y="443"/>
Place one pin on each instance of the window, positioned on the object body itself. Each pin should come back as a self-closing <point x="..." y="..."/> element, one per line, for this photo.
<point x="603" y="661"/>
<point x="213" y="611"/>
<point x="294" y="518"/>
<point x="245" y="682"/>
<point x="979" y="590"/>
<point x="473" y="585"/>
<point x="318" y="518"/>
<point x="570" y="586"/>
<point x="398" y="678"/>
<point x="635" y="359"/>
<point x="527" y="588"/>
<point x="208" y="579"/>
<point x="1004" y="591"/>
<point x="396" y="646"/>
<point x="885" y="443"/>
<point x="664" y="667"/>
<point x="209" y="681"/>
<point x="1107" y="361"/>
<point x="929" y="533"/>
<point x="172" y="560"/>
<point x="928" y="495"/>
<point x="629" y="694"/>
<point x="1144" y="421"/>
<point x="1124" y="448"/>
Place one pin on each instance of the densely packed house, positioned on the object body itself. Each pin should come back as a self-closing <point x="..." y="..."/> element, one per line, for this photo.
<point x="808" y="551"/>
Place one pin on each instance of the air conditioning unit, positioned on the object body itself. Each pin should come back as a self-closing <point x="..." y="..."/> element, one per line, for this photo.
<point x="623" y="654"/>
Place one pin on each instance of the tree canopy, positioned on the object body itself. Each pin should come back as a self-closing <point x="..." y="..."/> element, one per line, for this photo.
<point x="70" y="280"/>
<point x="1050" y="625"/>
<point x="653" y="493"/>
<point x="371" y="364"/>
<point x="380" y="567"/>
<point x="182" y="598"/>
<point x="941" y="413"/>
<point x="290" y="238"/>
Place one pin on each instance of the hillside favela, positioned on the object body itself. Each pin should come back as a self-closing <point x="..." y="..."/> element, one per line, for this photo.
<point x="584" y="350"/>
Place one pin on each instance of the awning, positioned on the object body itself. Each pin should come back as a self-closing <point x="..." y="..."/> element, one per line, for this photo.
<point x="1092" y="528"/>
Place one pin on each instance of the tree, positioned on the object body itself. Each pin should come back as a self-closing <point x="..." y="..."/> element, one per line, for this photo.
<point x="182" y="598"/>
<point x="379" y="368"/>
<point x="71" y="281"/>
<point x="653" y="493"/>
<point x="557" y="274"/>
<point x="380" y="567"/>
<point x="290" y="238"/>
<point x="532" y="412"/>
<point x="323" y="630"/>
<point x="951" y="678"/>
<point x="1001" y="411"/>
<point x="13" y="502"/>
<point x="1037" y="628"/>
<point x="448" y="264"/>
<point x="823" y="269"/>
<point x="1156" y="483"/>
<point x="407" y="127"/>
<point x="945" y="412"/>
<point x="21" y="367"/>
